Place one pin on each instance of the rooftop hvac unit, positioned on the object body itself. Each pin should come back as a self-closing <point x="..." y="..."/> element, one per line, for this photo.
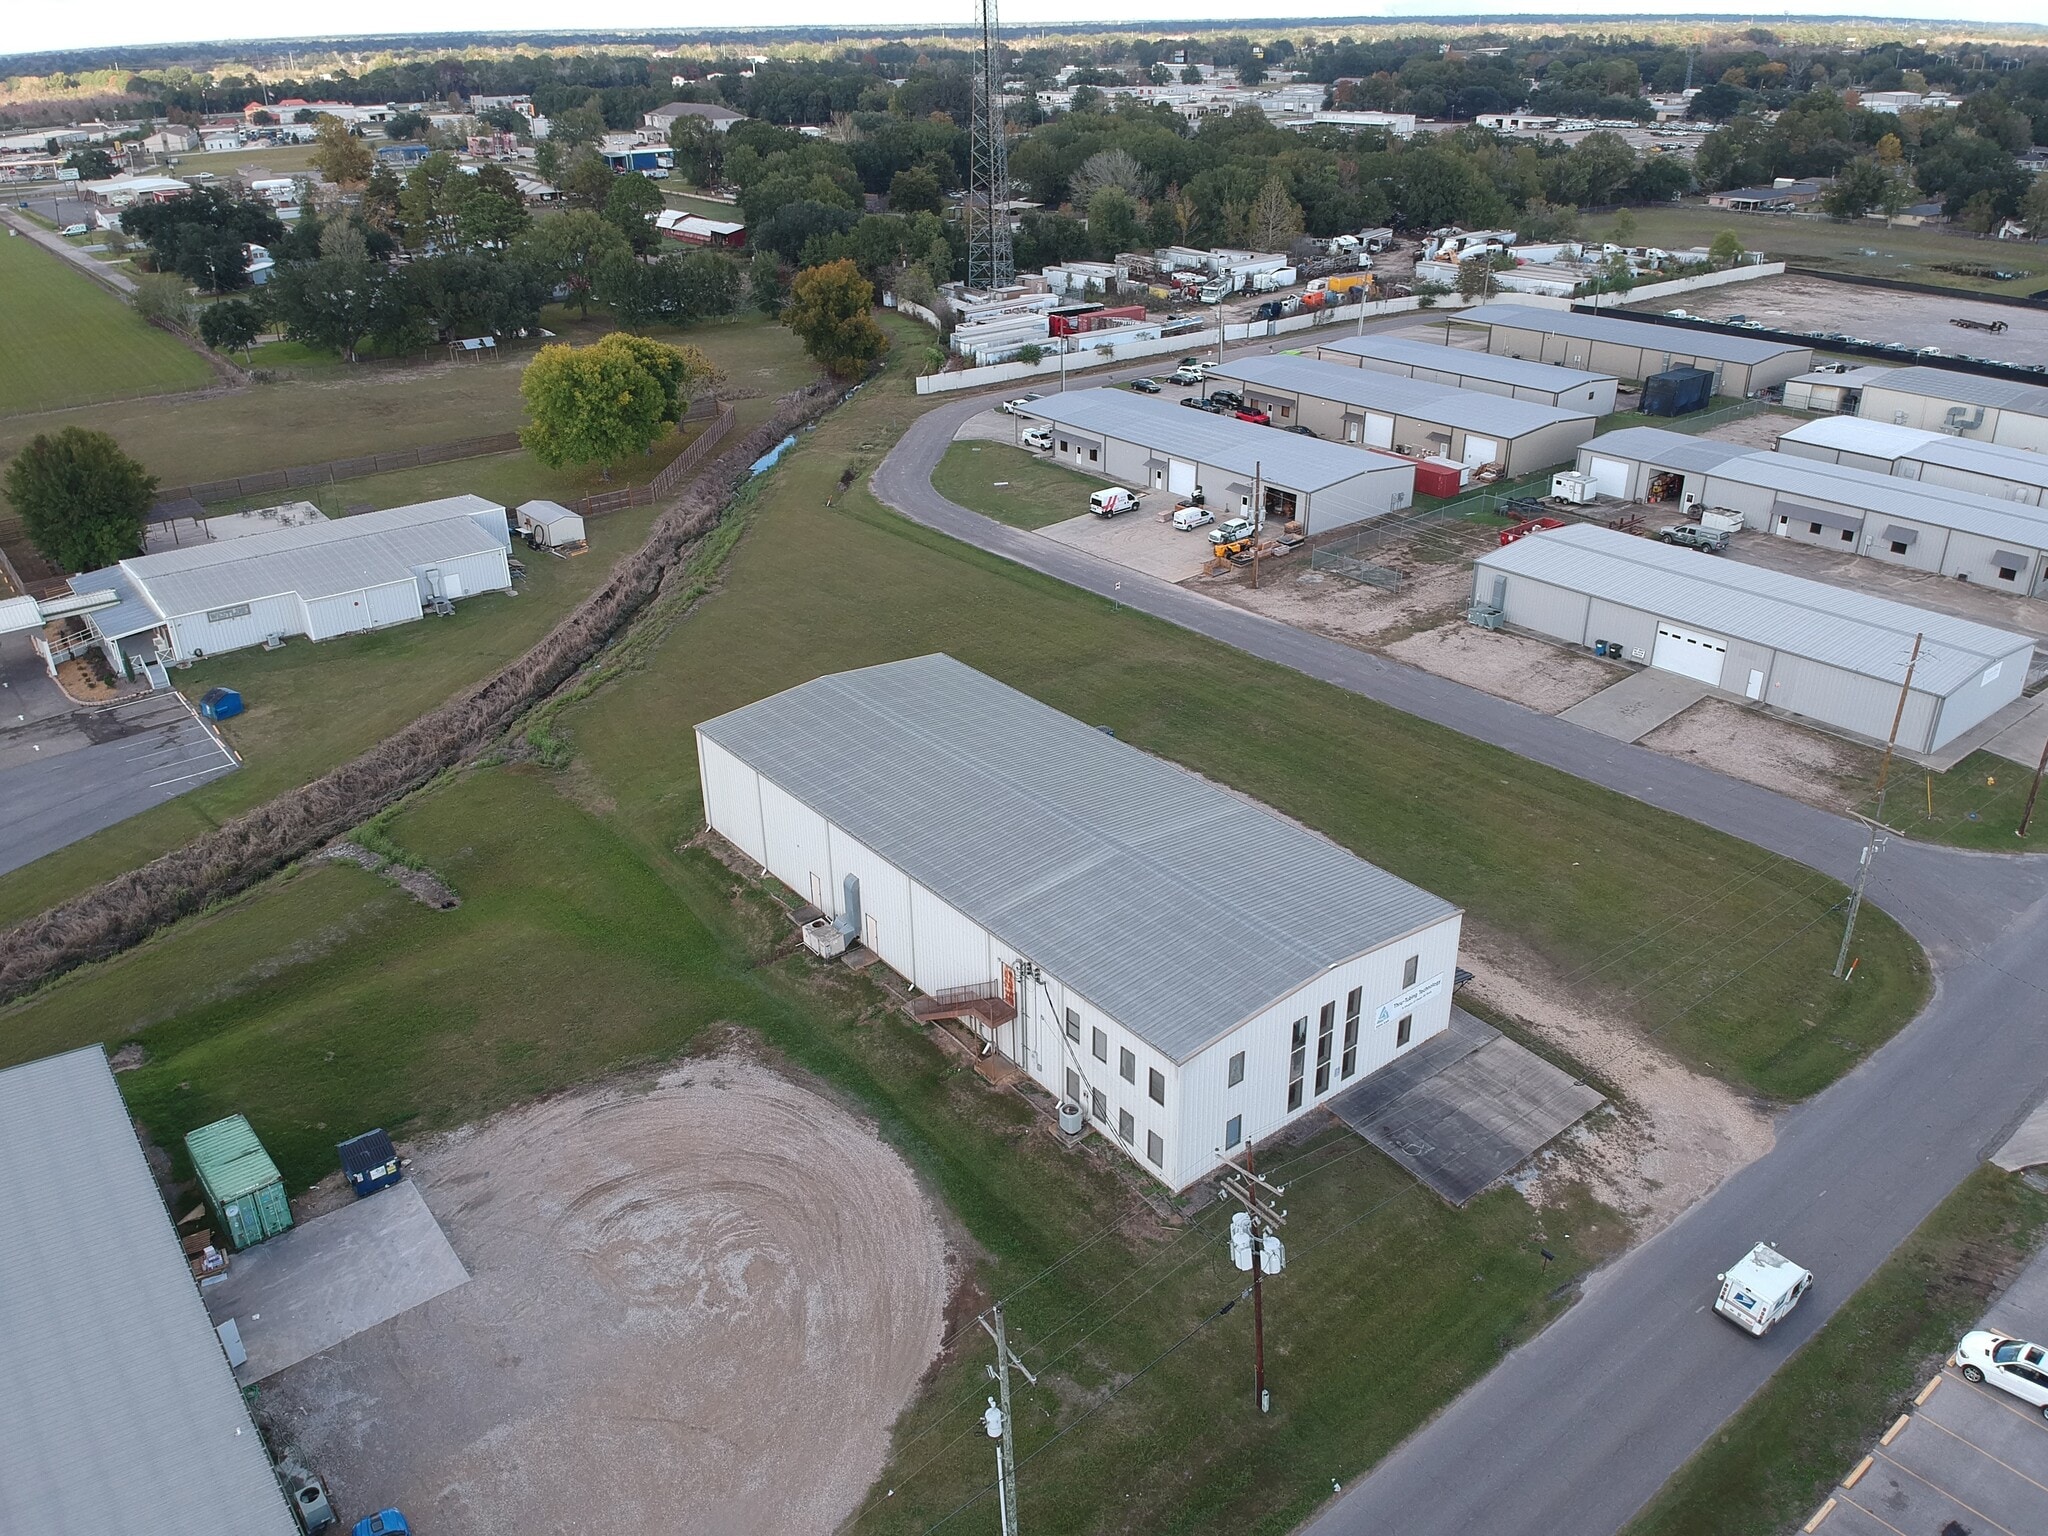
<point x="823" y="939"/>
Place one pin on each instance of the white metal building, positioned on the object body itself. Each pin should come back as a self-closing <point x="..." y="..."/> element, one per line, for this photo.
<point x="1154" y="445"/>
<point x="1966" y="404"/>
<point x="1191" y="968"/>
<point x="549" y="524"/>
<point x="1410" y="416"/>
<point x="120" y="1413"/>
<point x="331" y="578"/>
<point x="1835" y="507"/>
<point x="1635" y="349"/>
<point x="1913" y="453"/>
<point x="1409" y="357"/>
<point x="1824" y="653"/>
<point x="1837" y="388"/>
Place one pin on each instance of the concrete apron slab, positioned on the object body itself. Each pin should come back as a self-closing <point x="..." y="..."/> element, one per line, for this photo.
<point x="2019" y="731"/>
<point x="2024" y="1148"/>
<point x="1638" y="704"/>
<point x="334" y="1277"/>
<point x="1465" y="1109"/>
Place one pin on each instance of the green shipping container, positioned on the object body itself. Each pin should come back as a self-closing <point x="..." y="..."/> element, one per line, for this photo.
<point x="243" y="1188"/>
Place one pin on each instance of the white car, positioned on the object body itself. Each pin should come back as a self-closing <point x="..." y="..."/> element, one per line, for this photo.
<point x="2011" y="1365"/>
<point x="1017" y="406"/>
<point x="1185" y="518"/>
<point x="1037" y="437"/>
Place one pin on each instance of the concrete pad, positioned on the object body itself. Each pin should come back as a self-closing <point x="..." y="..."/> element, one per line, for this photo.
<point x="330" y="1279"/>
<point x="2020" y="738"/>
<point x="1466" y="1108"/>
<point x="1973" y="1475"/>
<point x="1993" y="1423"/>
<point x="1144" y="541"/>
<point x="1638" y="704"/>
<point x="2023" y="1149"/>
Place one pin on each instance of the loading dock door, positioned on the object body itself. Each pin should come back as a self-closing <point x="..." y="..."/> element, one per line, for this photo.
<point x="1481" y="450"/>
<point x="1689" y="654"/>
<point x="1610" y="476"/>
<point x="1180" y="478"/>
<point x="1379" y="430"/>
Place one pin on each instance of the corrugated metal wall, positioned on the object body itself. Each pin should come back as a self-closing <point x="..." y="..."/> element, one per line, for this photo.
<point x="732" y="799"/>
<point x="192" y="634"/>
<point x="798" y="847"/>
<point x="1982" y="697"/>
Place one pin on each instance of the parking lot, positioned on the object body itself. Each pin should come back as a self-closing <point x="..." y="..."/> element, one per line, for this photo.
<point x="1965" y="1460"/>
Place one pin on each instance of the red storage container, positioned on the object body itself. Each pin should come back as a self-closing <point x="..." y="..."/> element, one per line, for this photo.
<point x="1436" y="479"/>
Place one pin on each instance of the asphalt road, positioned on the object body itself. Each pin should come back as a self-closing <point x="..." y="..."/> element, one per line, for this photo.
<point x="65" y="777"/>
<point x="1575" y="1430"/>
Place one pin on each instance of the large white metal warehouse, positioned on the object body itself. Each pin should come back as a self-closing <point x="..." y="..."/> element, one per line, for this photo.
<point x="1635" y="349"/>
<point x="1914" y="453"/>
<point x="1189" y="967"/>
<point x="120" y="1413"/>
<point x="1824" y="653"/>
<point x="1154" y="445"/>
<point x="1966" y="404"/>
<point x="1484" y="373"/>
<point x="1836" y="507"/>
<point x="1411" y="416"/>
<point x="320" y="580"/>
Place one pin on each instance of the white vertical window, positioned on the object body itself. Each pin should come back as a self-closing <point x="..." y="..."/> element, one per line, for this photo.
<point x="1297" y="1061"/>
<point x="1326" y="1034"/>
<point x="1352" y="1006"/>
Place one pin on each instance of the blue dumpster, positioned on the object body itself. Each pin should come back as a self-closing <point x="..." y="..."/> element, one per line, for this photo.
<point x="369" y="1162"/>
<point x="220" y="703"/>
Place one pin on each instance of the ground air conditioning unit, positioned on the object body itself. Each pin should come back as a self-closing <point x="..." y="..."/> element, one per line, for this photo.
<point x="1575" y="488"/>
<point x="1072" y="1121"/>
<point x="823" y="939"/>
<point x="1485" y="617"/>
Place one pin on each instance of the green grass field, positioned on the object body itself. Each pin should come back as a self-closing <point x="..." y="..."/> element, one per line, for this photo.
<point x="66" y="341"/>
<point x="1774" y="1462"/>
<point x="593" y="937"/>
<point x="1913" y="255"/>
<point x="1012" y="485"/>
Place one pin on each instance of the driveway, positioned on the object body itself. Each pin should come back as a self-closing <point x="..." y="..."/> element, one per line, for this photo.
<point x="1853" y="1171"/>
<point x="64" y="777"/>
<point x="52" y="241"/>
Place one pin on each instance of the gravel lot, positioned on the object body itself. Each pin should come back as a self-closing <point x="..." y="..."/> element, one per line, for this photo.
<point x="1799" y="303"/>
<point x="697" y="1304"/>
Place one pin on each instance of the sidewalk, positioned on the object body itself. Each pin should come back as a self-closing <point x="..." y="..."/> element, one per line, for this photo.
<point x="120" y="282"/>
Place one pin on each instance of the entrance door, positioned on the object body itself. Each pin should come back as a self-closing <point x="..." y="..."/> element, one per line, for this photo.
<point x="1379" y="430"/>
<point x="1481" y="450"/>
<point x="1689" y="654"/>
<point x="1610" y="476"/>
<point x="1180" y="478"/>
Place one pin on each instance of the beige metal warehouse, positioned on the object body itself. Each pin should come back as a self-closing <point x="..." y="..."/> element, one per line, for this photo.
<point x="1825" y="653"/>
<point x="1411" y="416"/>
<point x="1155" y="445"/>
<point x="1965" y="404"/>
<point x="1408" y="356"/>
<point x="1913" y="453"/>
<point x="1635" y="349"/>
<point x="1831" y="388"/>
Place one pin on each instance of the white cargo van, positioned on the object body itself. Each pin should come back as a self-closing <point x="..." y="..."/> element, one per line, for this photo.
<point x="1110" y="501"/>
<point x="1761" y="1289"/>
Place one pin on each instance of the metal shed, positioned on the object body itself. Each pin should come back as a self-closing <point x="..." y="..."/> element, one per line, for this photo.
<point x="1824" y="653"/>
<point x="1438" y="362"/>
<point x="1061" y="893"/>
<point x="1410" y="416"/>
<point x="243" y="1188"/>
<point x="1635" y="349"/>
<point x="1156" y="445"/>
<point x="1914" y="453"/>
<point x="121" y="1414"/>
<point x="1963" y="404"/>
<point x="550" y="525"/>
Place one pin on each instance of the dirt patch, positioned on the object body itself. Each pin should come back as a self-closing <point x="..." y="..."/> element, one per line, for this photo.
<point x="697" y="1304"/>
<point x="1677" y="1133"/>
<point x="423" y="886"/>
<point x="1764" y="750"/>
<point x="1531" y="672"/>
<point x="1341" y="609"/>
<point x="1760" y="431"/>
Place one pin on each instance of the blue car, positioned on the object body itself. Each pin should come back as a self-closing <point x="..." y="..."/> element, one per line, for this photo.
<point x="386" y="1522"/>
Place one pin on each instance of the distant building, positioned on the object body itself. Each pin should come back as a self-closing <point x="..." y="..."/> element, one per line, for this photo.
<point x="1783" y="195"/>
<point x="124" y="190"/>
<point x="693" y="229"/>
<point x="172" y="139"/>
<point x="662" y="119"/>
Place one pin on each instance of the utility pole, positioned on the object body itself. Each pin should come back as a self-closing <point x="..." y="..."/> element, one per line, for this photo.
<point x="1874" y="825"/>
<point x="1257" y="1222"/>
<point x="1258" y="518"/>
<point x="998" y="1422"/>
<point x="1219" y="333"/>
<point x="2027" y="815"/>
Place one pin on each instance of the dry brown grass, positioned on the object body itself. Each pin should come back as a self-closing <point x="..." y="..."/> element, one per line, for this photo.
<point x="124" y="911"/>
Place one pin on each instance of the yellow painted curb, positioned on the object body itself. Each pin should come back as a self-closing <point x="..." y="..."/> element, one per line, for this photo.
<point x="1819" y="1515"/>
<point x="1855" y="1477"/>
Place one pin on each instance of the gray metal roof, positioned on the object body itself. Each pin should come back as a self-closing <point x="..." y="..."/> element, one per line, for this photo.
<point x="1857" y="434"/>
<point x="131" y="616"/>
<point x="1682" y="340"/>
<point x="1665" y="449"/>
<point x="1518" y="371"/>
<point x="1173" y="905"/>
<point x="1287" y="458"/>
<point x="1420" y="400"/>
<point x="120" y="1413"/>
<point x="1966" y="388"/>
<point x="1867" y="491"/>
<point x="2022" y="466"/>
<point x="1871" y="636"/>
<point x="318" y="560"/>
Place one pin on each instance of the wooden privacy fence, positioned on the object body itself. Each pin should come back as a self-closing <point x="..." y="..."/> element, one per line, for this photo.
<point x="672" y="475"/>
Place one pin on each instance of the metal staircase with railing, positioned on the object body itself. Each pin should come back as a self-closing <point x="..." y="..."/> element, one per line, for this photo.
<point x="983" y="1003"/>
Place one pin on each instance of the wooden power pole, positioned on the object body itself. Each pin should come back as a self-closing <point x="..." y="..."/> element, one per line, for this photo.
<point x="1261" y="1219"/>
<point x="1873" y="826"/>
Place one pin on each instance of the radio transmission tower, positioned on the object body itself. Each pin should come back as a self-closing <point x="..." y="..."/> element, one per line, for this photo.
<point x="989" y="264"/>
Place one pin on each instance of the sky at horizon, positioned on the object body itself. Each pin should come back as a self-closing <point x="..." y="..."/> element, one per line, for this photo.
<point x="132" y="23"/>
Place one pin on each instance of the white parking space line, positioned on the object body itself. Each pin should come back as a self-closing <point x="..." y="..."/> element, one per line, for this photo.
<point x="1973" y="1445"/>
<point x="204" y="773"/>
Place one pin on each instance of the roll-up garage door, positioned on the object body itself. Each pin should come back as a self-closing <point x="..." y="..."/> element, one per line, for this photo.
<point x="1689" y="654"/>
<point x="1610" y="476"/>
<point x="1180" y="477"/>
<point x="1481" y="450"/>
<point x="1379" y="430"/>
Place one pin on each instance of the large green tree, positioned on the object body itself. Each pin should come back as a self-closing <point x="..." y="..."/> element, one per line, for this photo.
<point x="80" y="498"/>
<point x="828" y="310"/>
<point x="573" y="248"/>
<point x="630" y="204"/>
<point x="601" y="403"/>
